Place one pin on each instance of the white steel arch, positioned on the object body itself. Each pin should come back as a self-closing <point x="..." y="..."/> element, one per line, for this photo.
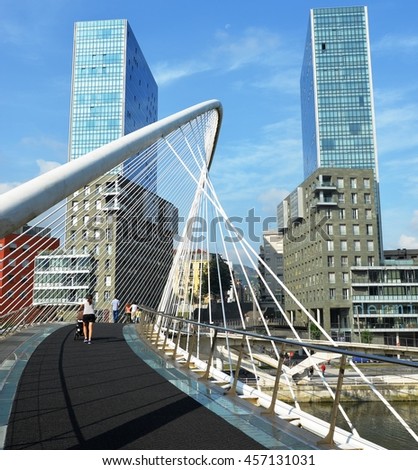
<point x="27" y="201"/>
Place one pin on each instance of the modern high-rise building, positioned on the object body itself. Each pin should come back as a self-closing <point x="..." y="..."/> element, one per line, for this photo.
<point x="113" y="93"/>
<point x="338" y="127"/>
<point x="338" y="122"/>
<point x="332" y="221"/>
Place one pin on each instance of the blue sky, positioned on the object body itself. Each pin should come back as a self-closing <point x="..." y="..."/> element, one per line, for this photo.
<point x="246" y="54"/>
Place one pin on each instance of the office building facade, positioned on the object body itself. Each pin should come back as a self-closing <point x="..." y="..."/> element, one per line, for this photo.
<point x="338" y="119"/>
<point x="18" y="252"/>
<point x="331" y="222"/>
<point x="113" y="93"/>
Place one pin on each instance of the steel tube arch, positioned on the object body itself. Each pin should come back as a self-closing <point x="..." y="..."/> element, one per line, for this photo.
<point x="25" y="202"/>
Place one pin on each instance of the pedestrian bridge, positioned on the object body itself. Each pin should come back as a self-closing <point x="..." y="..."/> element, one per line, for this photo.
<point x="141" y="215"/>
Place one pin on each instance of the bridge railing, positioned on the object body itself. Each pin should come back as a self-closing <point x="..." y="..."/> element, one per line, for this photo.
<point x="204" y="349"/>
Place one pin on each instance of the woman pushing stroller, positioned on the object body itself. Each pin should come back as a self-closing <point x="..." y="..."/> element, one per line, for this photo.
<point x="89" y="317"/>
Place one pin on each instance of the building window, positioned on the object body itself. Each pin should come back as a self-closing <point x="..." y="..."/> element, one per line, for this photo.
<point x="341" y="198"/>
<point x="367" y="198"/>
<point x="356" y="229"/>
<point x="330" y="245"/>
<point x="353" y="198"/>
<point x="346" y="278"/>
<point x="332" y="294"/>
<point x="328" y="213"/>
<point x="342" y="214"/>
<point x="366" y="183"/>
<point x="357" y="245"/>
<point x="344" y="261"/>
<point x="330" y="261"/>
<point x="108" y="281"/>
<point x="357" y="260"/>
<point x="343" y="229"/>
<point x="353" y="183"/>
<point x="343" y="245"/>
<point x="340" y="183"/>
<point x="370" y="260"/>
<point x="370" y="245"/>
<point x="369" y="229"/>
<point x="106" y="295"/>
<point x="346" y="294"/>
<point x="330" y="229"/>
<point x="331" y="278"/>
<point x="368" y="214"/>
<point x="355" y="214"/>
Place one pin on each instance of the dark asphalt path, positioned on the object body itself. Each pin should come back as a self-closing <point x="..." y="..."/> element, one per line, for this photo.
<point x="103" y="396"/>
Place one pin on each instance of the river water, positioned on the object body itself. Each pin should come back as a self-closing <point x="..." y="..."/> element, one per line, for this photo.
<point x="374" y="421"/>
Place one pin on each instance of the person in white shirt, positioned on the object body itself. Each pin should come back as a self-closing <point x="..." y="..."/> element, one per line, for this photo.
<point x="89" y="318"/>
<point x="115" y="309"/>
<point x="135" y="312"/>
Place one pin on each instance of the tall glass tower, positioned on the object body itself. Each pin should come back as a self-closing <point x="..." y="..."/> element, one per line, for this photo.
<point x="113" y="90"/>
<point x="336" y="92"/>
<point x="113" y="93"/>
<point x="338" y="122"/>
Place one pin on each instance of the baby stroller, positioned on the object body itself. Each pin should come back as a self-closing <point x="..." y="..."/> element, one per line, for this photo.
<point x="79" y="327"/>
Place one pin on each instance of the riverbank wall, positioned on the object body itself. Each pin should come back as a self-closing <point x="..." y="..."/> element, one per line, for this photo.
<point x="306" y="392"/>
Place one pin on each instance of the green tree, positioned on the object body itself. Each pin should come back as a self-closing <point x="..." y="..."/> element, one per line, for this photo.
<point x="219" y="275"/>
<point x="314" y="331"/>
<point x="366" y="336"/>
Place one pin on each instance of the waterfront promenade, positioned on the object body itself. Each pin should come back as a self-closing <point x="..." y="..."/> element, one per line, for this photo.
<point x="58" y="393"/>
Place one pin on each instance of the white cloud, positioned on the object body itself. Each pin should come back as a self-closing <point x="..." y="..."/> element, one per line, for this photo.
<point x="397" y="43"/>
<point x="165" y="73"/>
<point x="4" y="187"/>
<point x="255" y="47"/>
<point x="45" y="166"/>
<point x="406" y="241"/>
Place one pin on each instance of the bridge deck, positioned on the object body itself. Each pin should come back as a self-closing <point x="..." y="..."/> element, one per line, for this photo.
<point x="117" y="394"/>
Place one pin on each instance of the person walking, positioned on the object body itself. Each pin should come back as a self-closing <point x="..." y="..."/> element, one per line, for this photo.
<point x="323" y="368"/>
<point x="115" y="309"/>
<point x="89" y="318"/>
<point x="311" y="372"/>
<point x="135" y="312"/>
<point x="128" y="317"/>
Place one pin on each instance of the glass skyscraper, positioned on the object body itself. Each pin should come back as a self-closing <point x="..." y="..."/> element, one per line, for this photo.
<point x="336" y="92"/>
<point x="331" y="222"/>
<point x="113" y="93"/>
<point x="113" y="90"/>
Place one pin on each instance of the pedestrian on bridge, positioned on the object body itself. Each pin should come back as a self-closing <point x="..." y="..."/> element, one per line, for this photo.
<point x="89" y="317"/>
<point x="323" y="368"/>
<point x="135" y="312"/>
<point x="128" y="313"/>
<point x="115" y="309"/>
